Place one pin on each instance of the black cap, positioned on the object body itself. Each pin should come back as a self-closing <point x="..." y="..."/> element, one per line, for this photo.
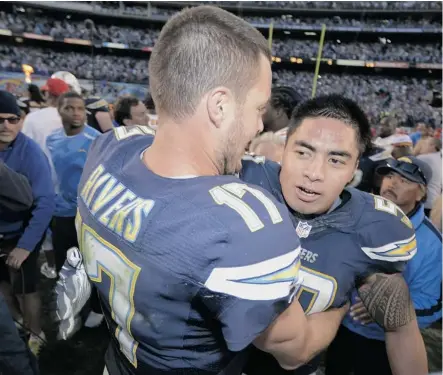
<point x="409" y="167"/>
<point x="8" y="103"/>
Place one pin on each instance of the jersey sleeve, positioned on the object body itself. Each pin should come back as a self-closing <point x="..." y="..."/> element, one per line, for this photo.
<point x="264" y="173"/>
<point x="255" y="261"/>
<point x="387" y="236"/>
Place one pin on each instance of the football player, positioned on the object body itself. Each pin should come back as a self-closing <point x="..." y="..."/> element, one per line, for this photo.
<point x="349" y="238"/>
<point x="191" y="264"/>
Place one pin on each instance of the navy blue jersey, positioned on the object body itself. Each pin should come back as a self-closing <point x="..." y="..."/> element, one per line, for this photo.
<point x="363" y="235"/>
<point x="190" y="270"/>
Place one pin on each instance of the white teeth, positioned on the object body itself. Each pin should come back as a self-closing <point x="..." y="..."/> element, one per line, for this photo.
<point x="307" y="192"/>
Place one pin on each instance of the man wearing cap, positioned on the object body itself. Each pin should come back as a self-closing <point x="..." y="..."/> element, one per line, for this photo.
<point x="21" y="234"/>
<point x="404" y="183"/>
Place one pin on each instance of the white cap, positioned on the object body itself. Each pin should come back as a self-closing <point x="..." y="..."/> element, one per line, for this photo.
<point x="70" y="79"/>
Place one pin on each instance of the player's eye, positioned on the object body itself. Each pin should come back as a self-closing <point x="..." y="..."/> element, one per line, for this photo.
<point x="335" y="161"/>
<point x="301" y="154"/>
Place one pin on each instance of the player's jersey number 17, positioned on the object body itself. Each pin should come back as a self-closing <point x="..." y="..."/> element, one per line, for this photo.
<point x="102" y="258"/>
<point x="231" y="195"/>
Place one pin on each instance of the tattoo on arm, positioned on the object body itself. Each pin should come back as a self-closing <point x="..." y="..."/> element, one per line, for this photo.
<point x="387" y="300"/>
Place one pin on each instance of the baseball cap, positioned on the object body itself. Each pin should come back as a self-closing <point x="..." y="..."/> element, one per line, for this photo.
<point x="70" y="79"/>
<point x="401" y="140"/>
<point x="8" y="103"/>
<point x="410" y="167"/>
<point x="56" y="86"/>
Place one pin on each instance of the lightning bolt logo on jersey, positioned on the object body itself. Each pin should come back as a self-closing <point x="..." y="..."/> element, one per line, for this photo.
<point x="363" y="235"/>
<point x="180" y="263"/>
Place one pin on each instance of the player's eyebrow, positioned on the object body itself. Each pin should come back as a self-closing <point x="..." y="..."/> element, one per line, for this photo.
<point x="344" y="154"/>
<point x="305" y="145"/>
<point x="341" y="153"/>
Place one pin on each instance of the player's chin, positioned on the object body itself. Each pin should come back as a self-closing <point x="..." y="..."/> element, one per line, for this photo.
<point x="311" y="207"/>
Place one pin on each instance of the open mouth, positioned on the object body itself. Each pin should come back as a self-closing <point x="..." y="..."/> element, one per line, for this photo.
<point x="306" y="194"/>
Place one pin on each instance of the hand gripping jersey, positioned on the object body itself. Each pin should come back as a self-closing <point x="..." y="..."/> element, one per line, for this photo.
<point x="189" y="270"/>
<point x="362" y="235"/>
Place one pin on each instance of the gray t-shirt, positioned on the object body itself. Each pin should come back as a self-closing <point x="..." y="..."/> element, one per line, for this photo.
<point x="435" y="185"/>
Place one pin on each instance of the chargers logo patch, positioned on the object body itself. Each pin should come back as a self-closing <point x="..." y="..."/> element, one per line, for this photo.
<point x="268" y="280"/>
<point x="393" y="252"/>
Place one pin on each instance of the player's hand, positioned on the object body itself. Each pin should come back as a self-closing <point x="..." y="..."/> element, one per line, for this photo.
<point x="359" y="312"/>
<point x="16" y="257"/>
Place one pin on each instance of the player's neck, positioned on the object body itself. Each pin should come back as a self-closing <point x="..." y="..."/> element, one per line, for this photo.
<point x="408" y="208"/>
<point x="71" y="131"/>
<point x="175" y="152"/>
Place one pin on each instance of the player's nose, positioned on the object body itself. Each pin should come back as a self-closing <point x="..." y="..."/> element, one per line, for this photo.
<point x="315" y="171"/>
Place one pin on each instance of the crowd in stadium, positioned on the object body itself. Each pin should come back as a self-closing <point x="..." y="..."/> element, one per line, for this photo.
<point x="376" y="93"/>
<point x="88" y="169"/>
<point x="133" y="37"/>
<point x="388" y="5"/>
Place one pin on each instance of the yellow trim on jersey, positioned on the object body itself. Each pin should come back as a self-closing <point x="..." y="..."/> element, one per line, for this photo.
<point x="394" y="251"/>
<point x="312" y="282"/>
<point x="113" y="277"/>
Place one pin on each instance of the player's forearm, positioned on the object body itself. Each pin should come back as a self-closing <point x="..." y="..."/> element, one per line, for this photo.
<point x="387" y="299"/>
<point x="406" y="351"/>
<point x="320" y="330"/>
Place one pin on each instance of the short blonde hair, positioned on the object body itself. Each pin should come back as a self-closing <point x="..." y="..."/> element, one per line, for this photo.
<point x="199" y="49"/>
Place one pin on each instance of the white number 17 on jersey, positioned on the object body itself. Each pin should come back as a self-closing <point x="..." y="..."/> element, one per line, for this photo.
<point x="232" y="194"/>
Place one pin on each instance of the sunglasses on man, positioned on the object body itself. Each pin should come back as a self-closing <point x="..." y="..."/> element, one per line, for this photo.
<point x="11" y="120"/>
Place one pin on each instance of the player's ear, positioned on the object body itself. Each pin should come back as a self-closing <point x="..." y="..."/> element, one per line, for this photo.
<point x="219" y="105"/>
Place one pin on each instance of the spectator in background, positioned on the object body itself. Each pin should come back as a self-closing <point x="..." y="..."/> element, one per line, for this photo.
<point x="21" y="236"/>
<point x="38" y="125"/>
<point x="421" y="142"/>
<point x="401" y="146"/>
<point x="68" y="148"/>
<point x="421" y="130"/>
<point x="98" y="116"/>
<point x="283" y="100"/>
<point x="404" y="183"/>
<point x="35" y="99"/>
<point x="388" y="125"/>
<point x="435" y="215"/>
<point x="431" y="155"/>
<point x="129" y="111"/>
